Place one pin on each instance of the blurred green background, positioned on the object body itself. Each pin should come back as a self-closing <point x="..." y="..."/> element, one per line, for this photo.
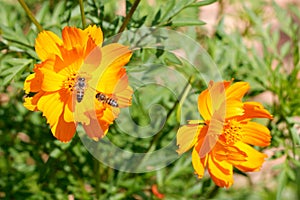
<point x="253" y="41"/>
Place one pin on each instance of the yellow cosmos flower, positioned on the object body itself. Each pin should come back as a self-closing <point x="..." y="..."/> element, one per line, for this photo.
<point x="222" y="140"/>
<point x="53" y="85"/>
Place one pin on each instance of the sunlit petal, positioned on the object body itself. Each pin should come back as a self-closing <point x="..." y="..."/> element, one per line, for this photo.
<point x="254" y="161"/>
<point x="62" y="130"/>
<point x="74" y="38"/>
<point x="95" y="33"/>
<point x="33" y="83"/>
<point x="52" y="81"/>
<point x="68" y="114"/>
<point x="97" y="129"/>
<point x="215" y="129"/>
<point x="51" y="106"/>
<point x="237" y="90"/>
<point x="197" y="164"/>
<point x="220" y="171"/>
<point x="47" y="45"/>
<point x="255" y="110"/>
<point x="187" y="136"/>
<point x="231" y="154"/>
<point x="256" y="134"/>
<point x="234" y="108"/>
<point x="204" y="105"/>
<point x="114" y="56"/>
<point x="31" y="102"/>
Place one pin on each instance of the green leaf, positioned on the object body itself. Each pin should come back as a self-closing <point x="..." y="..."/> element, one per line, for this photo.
<point x="14" y="67"/>
<point x="15" y="35"/>
<point x="284" y="19"/>
<point x="202" y="3"/>
<point x="3" y="46"/>
<point x="175" y="8"/>
<point x="156" y="18"/>
<point x="290" y="174"/>
<point x="282" y="180"/>
<point x="285" y="49"/>
<point x="55" y="153"/>
<point x="178" y="23"/>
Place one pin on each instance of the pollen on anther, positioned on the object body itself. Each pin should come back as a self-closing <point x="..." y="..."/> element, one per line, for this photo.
<point x="232" y="132"/>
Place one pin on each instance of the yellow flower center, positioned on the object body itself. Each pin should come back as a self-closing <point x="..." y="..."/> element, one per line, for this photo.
<point x="232" y="132"/>
<point x="70" y="82"/>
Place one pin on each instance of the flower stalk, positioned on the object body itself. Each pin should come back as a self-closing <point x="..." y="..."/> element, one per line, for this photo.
<point x="31" y="16"/>
<point x="82" y="13"/>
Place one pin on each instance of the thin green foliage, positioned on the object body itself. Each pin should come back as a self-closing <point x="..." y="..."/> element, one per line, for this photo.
<point x="34" y="165"/>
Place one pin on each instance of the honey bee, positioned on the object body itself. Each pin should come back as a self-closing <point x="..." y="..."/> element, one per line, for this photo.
<point x="104" y="99"/>
<point x="80" y="86"/>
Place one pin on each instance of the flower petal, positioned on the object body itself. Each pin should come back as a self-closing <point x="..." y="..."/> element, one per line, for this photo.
<point x="51" y="106"/>
<point x="256" y="134"/>
<point x="95" y="33"/>
<point x="68" y="114"/>
<point x="234" y="108"/>
<point x="110" y="114"/>
<point x="74" y="38"/>
<point x="109" y="79"/>
<point x="31" y="102"/>
<point x="198" y="164"/>
<point x="255" y="110"/>
<point x="62" y="130"/>
<point x="212" y="99"/>
<point x="212" y="133"/>
<point x="92" y="61"/>
<point x="47" y="45"/>
<point x="254" y="161"/>
<point x="96" y="129"/>
<point x="187" y="136"/>
<point x="204" y="105"/>
<point x="115" y="56"/>
<point x="33" y="83"/>
<point x="220" y="171"/>
<point x="52" y="81"/>
<point x="231" y="154"/>
<point x="237" y="90"/>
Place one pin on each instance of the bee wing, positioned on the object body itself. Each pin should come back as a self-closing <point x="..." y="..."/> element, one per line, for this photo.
<point x="123" y="92"/>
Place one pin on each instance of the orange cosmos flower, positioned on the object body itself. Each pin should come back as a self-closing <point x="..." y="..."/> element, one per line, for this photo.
<point x="222" y="140"/>
<point x="156" y="193"/>
<point x="54" y="83"/>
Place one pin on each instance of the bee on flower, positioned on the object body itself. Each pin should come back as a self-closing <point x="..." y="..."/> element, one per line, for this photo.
<point x="223" y="139"/>
<point x="71" y="72"/>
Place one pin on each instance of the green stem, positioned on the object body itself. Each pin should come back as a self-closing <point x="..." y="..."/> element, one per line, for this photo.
<point x="31" y="16"/>
<point x="97" y="178"/>
<point x="129" y="15"/>
<point x="182" y="96"/>
<point x="82" y="13"/>
<point x="126" y="20"/>
<point x="213" y="192"/>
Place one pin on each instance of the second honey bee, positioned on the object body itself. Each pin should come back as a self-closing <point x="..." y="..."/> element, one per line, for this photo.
<point x="104" y="99"/>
